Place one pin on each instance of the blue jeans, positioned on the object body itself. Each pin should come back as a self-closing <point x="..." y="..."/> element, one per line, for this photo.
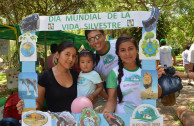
<point x="9" y="122"/>
<point x="105" y="88"/>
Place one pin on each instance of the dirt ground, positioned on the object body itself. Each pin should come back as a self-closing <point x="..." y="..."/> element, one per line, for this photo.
<point x="169" y="112"/>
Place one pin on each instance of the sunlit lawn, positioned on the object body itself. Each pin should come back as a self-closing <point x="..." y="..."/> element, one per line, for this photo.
<point x="3" y="79"/>
<point x="179" y="68"/>
<point x="8" y="92"/>
<point x="178" y="59"/>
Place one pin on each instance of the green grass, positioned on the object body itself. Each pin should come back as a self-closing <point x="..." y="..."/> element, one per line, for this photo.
<point x="179" y="58"/>
<point x="191" y="106"/>
<point x="3" y="79"/>
<point x="179" y="55"/>
<point x="8" y="92"/>
<point x="179" y="68"/>
<point x="175" y="117"/>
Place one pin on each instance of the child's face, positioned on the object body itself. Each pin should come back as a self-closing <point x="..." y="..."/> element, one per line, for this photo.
<point x="86" y="64"/>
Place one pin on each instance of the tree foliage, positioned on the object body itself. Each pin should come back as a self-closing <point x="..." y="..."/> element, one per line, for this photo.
<point x="14" y="10"/>
<point x="163" y="26"/>
<point x="182" y="22"/>
<point x="175" y="22"/>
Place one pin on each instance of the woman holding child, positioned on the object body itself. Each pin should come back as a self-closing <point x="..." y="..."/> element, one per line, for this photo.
<point x="89" y="81"/>
<point x="58" y="85"/>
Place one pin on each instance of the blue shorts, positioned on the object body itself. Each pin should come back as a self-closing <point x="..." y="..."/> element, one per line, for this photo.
<point x="105" y="88"/>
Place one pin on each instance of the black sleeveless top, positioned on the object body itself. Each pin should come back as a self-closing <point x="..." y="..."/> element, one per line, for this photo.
<point x="58" y="98"/>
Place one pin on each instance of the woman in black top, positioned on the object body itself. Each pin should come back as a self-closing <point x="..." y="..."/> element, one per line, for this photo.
<point x="58" y="85"/>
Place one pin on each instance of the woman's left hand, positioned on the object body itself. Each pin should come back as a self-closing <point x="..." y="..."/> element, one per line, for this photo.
<point x="179" y="74"/>
<point x="160" y="71"/>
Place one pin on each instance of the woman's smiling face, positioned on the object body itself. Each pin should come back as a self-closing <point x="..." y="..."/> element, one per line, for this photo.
<point x="67" y="57"/>
<point x="127" y="52"/>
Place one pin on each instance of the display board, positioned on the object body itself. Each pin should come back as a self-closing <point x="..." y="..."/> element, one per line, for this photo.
<point x="145" y="114"/>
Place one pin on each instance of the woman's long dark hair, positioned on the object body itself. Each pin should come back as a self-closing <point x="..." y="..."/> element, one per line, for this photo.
<point x="120" y="63"/>
<point x="64" y="45"/>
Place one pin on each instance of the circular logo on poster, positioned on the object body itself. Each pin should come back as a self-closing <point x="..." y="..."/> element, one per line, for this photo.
<point x="27" y="49"/>
<point x="146" y="113"/>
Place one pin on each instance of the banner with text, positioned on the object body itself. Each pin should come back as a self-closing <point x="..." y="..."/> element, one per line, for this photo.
<point x="112" y="20"/>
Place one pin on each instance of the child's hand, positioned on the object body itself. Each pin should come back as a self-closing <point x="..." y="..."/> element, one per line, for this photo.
<point x="91" y="97"/>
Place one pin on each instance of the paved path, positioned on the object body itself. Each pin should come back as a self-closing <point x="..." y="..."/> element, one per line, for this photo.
<point x="169" y="112"/>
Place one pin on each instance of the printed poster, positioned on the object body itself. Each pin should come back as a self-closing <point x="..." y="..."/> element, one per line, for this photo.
<point x="36" y="118"/>
<point x="28" y="47"/>
<point x="12" y="78"/>
<point x="149" y="84"/>
<point x="146" y="115"/>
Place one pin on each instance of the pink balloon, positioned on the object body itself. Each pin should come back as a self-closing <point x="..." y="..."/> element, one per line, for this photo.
<point x="79" y="103"/>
